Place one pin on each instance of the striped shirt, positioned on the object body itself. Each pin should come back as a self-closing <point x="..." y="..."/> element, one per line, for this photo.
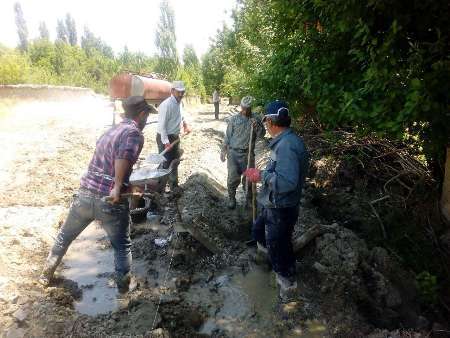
<point x="123" y="141"/>
<point x="169" y="118"/>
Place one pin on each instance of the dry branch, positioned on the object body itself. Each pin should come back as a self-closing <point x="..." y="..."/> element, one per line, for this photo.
<point x="312" y="233"/>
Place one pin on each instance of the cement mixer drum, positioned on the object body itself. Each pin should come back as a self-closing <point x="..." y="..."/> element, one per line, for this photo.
<point x="124" y="85"/>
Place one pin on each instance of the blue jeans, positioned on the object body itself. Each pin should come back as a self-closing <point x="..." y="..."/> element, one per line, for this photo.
<point x="114" y="219"/>
<point x="273" y="229"/>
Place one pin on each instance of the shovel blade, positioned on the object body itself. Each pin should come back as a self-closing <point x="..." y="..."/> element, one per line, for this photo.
<point x="155" y="159"/>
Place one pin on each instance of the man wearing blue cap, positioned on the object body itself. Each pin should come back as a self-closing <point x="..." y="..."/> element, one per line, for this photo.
<point x="279" y="198"/>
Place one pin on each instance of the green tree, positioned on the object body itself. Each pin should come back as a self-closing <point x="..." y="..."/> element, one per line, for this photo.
<point x="136" y="62"/>
<point x="43" y="31"/>
<point x="166" y="42"/>
<point x="13" y="67"/>
<point x="191" y="73"/>
<point x="61" y="33"/>
<point x="22" y="29"/>
<point x="71" y="30"/>
<point x="190" y="57"/>
<point x="213" y="70"/>
<point x="375" y="66"/>
<point x="91" y="43"/>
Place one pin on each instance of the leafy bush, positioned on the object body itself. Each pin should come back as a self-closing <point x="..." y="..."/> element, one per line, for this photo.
<point x="14" y="67"/>
<point x="428" y="288"/>
<point x="378" y="66"/>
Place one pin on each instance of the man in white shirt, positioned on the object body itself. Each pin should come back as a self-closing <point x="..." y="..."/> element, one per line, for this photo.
<point x="170" y="120"/>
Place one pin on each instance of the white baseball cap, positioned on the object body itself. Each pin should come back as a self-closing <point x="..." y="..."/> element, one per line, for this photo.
<point x="246" y="102"/>
<point x="178" y="85"/>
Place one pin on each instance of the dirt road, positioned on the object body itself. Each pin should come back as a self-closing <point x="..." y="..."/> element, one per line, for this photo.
<point x="198" y="284"/>
<point x="49" y="146"/>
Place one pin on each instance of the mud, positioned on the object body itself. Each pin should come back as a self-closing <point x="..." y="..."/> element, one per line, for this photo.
<point x="193" y="274"/>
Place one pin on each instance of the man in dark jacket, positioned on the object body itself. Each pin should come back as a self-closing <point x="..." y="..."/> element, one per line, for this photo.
<point x="282" y="182"/>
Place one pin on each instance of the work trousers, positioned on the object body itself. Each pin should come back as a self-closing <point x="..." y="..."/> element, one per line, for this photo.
<point x="171" y="155"/>
<point x="216" y="110"/>
<point x="114" y="218"/>
<point x="236" y="165"/>
<point x="273" y="229"/>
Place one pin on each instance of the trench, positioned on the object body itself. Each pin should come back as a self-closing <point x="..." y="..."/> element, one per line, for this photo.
<point x="237" y="303"/>
<point x="233" y="302"/>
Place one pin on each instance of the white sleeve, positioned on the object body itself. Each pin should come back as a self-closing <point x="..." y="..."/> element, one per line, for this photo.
<point x="183" y="114"/>
<point x="162" y="123"/>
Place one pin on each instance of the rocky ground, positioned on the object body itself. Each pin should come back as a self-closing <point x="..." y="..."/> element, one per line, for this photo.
<point x="195" y="277"/>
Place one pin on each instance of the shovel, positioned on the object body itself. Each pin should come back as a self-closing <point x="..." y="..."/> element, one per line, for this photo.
<point x="251" y="185"/>
<point x="160" y="158"/>
<point x="122" y="196"/>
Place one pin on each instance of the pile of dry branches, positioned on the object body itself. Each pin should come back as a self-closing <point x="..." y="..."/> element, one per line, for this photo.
<point x="393" y="164"/>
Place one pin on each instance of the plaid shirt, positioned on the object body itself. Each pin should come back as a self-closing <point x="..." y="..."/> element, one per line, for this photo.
<point x="123" y="141"/>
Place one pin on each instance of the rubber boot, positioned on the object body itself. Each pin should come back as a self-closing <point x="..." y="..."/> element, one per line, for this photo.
<point x="49" y="269"/>
<point x="262" y="255"/>
<point x="231" y="199"/>
<point x="125" y="283"/>
<point x="288" y="288"/>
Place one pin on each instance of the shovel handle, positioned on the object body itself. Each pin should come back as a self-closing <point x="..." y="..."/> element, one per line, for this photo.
<point x="162" y="153"/>
<point x="126" y="195"/>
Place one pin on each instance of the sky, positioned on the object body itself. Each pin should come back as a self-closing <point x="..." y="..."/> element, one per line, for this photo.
<point x="131" y="22"/>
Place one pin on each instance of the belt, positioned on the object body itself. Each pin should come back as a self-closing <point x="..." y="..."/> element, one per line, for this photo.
<point x="89" y="193"/>
<point x="104" y="176"/>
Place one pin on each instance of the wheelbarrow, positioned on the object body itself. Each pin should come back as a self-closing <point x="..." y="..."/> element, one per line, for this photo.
<point x="152" y="181"/>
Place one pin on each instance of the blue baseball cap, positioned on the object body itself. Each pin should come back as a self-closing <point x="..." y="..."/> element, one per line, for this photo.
<point x="276" y="110"/>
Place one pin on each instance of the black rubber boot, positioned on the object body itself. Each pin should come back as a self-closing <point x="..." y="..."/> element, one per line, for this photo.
<point x="231" y="199"/>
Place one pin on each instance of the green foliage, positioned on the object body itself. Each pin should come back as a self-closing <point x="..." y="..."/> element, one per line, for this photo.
<point x="61" y="33"/>
<point x="92" y="44"/>
<point x="43" y="31"/>
<point x="428" y="287"/>
<point x="190" y="58"/>
<point x="22" y="29"/>
<point x="190" y="72"/>
<point x="166" y="42"/>
<point x="213" y="70"/>
<point x="71" y="30"/>
<point x="93" y="64"/>
<point x="13" y="67"/>
<point x="376" y="66"/>
<point x="192" y="78"/>
<point x="60" y="63"/>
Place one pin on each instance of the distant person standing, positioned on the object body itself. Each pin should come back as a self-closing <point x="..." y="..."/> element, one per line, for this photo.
<point x="216" y="101"/>
<point x="170" y="120"/>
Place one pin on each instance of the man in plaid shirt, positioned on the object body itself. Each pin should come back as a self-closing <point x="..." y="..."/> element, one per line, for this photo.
<point x="107" y="175"/>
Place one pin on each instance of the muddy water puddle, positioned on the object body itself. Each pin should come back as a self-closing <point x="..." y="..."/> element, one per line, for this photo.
<point x="239" y="304"/>
<point x="90" y="262"/>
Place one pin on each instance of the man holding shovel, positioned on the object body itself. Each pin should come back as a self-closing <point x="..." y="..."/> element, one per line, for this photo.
<point x="241" y="129"/>
<point x="170" y="120"/>
<point x="99" y="197"/>
<point x="279" y="198"/>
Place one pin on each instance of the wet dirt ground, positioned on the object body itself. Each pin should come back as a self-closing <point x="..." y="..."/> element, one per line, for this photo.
<point x="198" y="284"/>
